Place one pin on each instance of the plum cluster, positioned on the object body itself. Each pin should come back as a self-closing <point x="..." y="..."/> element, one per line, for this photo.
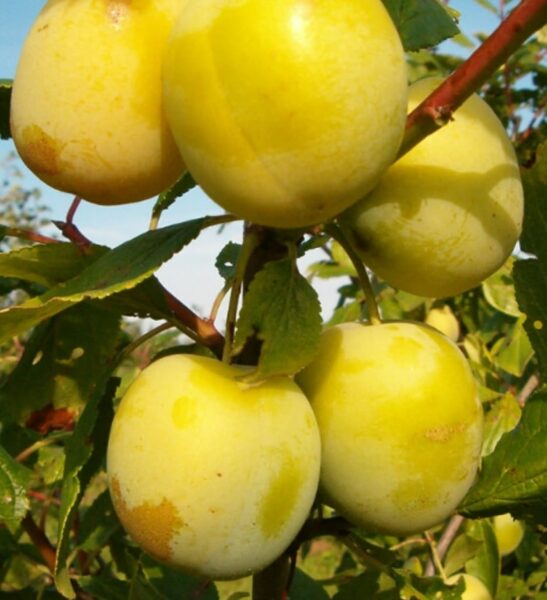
<point x="288" y="114"/>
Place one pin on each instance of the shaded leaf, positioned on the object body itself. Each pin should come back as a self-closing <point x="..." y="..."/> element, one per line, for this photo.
<point x="47" y="264"/>
<point x="514" y="477"/>
<point x="303" y="586"/>
<point x="421" y="23"/>
<point x="85" y="452"/>
<point x="462" y="549"/>
<point x="283" y="311"/>
<point x="119" y="269"/>
<point x="60" y="363"/>
<point x="365" y="585"/>
<point x="14" y="481"/>
<point x="98" y="524"/>
<point x="485" y="565"/>
<point x="5" y="101"/>
<point x="227" y="260"/>
<point x="105" y="587"/>
<point x="169" y="583"/>
<point x="531" y="274"/>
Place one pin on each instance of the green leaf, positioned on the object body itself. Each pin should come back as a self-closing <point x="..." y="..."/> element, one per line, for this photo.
<point x="283" y="311"/>
<point x="47" y="264"/>
<point x="462" y="549"/>
<point x="426" y="588"/>
<point x="227" y="260"/>
<point x="98" y="524"/>
<point x="515" y="351"/>
<point x="499" y="290"/>
<point x="14" y="481"/>
<point x="303" y="586"/>
<point x="365" y="585"/>
<point x="502" y="417"/>
<point x="485" y="565"/>
<point x="169" y="583"/>
<point x="347" y="313"/>
<point x="421" y="23"/>
<point x="118" y="270"/>
<point x="50" y="464"/>
<point x="105" y="587"/>
<point x="531" y="274"/>
<point x="85" y="452"/>
<point x="514" y="477"/>
<point x="5" y="101"/>
<point x="166" y="199"/>
<point x="60" y="363"/>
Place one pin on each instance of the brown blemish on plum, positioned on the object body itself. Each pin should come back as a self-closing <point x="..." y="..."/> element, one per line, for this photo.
<point x="40" y="151"/>
<point x="117" y="10"/>
<point x="152" y="526"/>
<point x="444" y="433"/>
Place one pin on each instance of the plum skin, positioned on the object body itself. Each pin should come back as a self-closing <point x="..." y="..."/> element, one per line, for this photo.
<point x="400" y="422"/>
<point x="208" y="473"/>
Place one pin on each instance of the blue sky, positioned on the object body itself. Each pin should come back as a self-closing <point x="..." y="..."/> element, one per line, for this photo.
<point x="191" y="270"/>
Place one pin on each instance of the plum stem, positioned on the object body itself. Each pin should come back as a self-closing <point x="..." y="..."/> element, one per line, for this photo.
<point x="373" y="311"/>
<point x="437" y="561"/>
<point x="271" y="583"/>
<point x="127" y="350"/>
<point x="444" y="542"/>
<point x="437" y="109"/>
<point x="250" y="242"/>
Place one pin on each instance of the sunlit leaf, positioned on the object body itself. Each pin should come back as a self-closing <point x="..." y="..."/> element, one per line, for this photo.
<point x="282" y="310"/>
<point x="514" y="477"/>
<point x="118" y="270"/>
<point x="485" y="564"/>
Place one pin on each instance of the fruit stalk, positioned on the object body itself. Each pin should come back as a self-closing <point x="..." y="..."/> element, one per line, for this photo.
<point x="364" y="280"/>
<point x="437" y="109"/>
<point x="271" y="583"/>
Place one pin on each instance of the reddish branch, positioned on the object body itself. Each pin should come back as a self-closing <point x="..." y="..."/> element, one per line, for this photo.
<point x="203" y="328"/>
<point x="40" y="541"/>
<point x="444" y="542"/>
<point x="29" y="235"/>
<point x="436" y="110"/>
<point x="70" y="231"/>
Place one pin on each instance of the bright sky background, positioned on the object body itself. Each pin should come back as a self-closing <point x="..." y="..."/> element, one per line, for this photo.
<point x="190" y="275"/>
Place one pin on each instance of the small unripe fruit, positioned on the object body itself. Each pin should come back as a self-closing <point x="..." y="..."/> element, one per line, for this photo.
<point x="211" y="474"/>
<point x="86" y="111"/>
<point x="400" y="423"/>
<point x="474" y="587"/>
<point x="509" y="533"/>
<point x="286" y="112"/>
<point x="445" y="321"/>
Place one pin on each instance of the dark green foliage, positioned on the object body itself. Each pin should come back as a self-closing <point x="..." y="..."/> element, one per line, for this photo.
<point x="5" y="100"/>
